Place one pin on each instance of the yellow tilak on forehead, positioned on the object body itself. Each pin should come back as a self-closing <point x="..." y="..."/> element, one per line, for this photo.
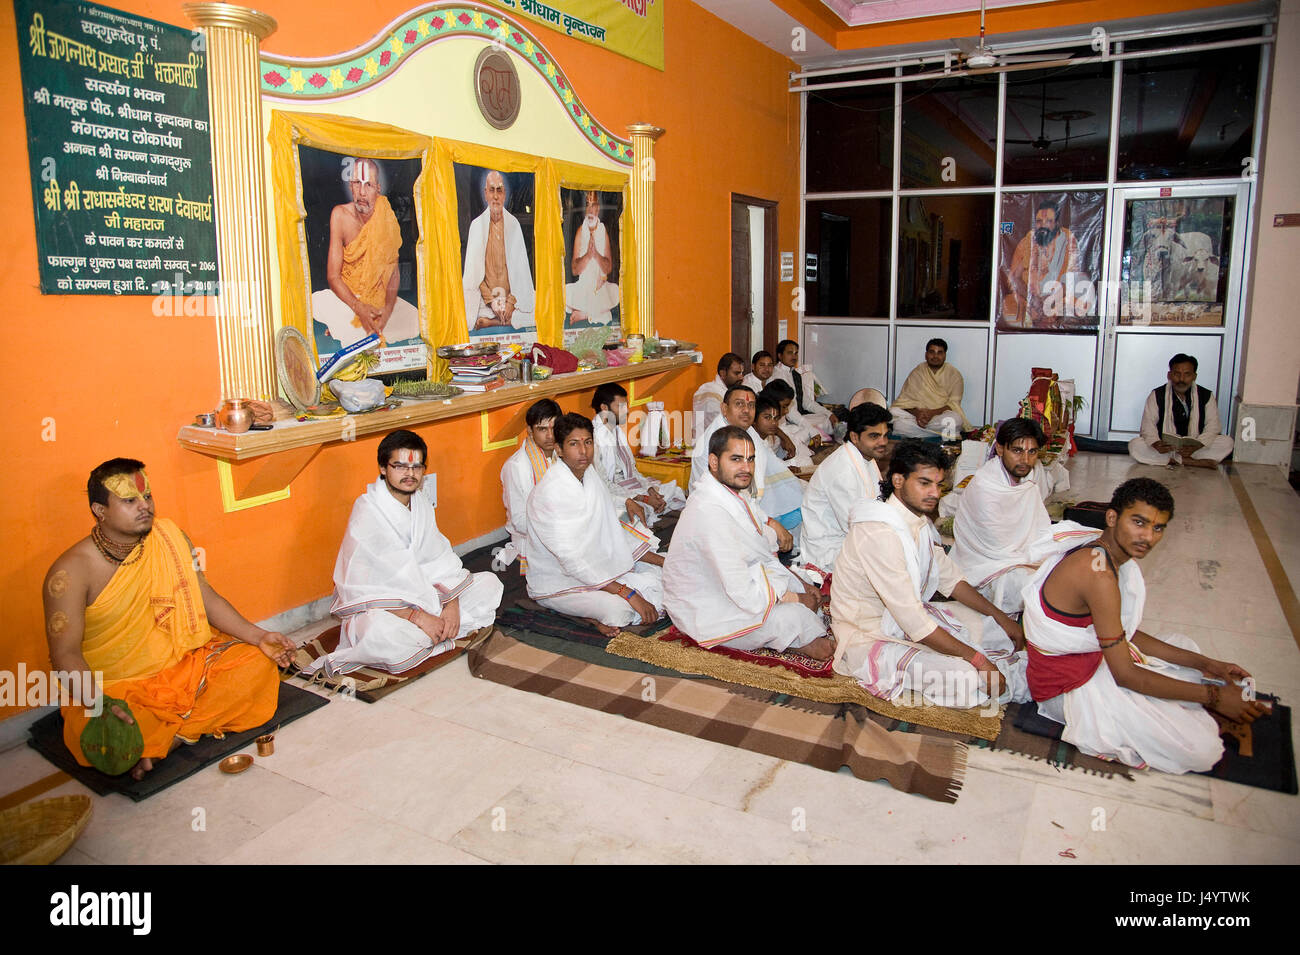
<point x="128" y="486"/>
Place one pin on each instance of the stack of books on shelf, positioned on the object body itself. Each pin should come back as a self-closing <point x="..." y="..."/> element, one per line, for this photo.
<point x="477" y="374"/>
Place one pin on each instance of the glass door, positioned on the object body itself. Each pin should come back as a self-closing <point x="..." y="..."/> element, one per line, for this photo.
<point x="1174" y="269"/>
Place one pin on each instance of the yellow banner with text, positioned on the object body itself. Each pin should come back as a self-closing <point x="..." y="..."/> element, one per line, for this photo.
<point x="631" y="28"/>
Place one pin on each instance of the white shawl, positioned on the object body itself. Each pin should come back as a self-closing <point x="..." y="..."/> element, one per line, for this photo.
<point x="722" y="576"/>
<point x="843" y="479"/>
<point x="997" y="523"/>
<point x="392" y="557"/>
<point x="521" y="276"/>
<point x="575" y="539"/>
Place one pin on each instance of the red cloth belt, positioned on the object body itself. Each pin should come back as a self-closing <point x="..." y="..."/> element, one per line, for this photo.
<point x="1051" y="674"/>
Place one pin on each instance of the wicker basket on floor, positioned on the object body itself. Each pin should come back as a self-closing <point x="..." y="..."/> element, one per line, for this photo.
<point x="37" y="833"/>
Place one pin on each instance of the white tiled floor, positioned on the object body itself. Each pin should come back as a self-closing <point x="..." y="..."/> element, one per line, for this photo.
<point x="454" y="769"/>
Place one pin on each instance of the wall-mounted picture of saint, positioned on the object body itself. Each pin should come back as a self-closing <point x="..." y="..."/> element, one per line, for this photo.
<point x="362" y="232"/>
<point x="1050" y="248"/>
<point x="591" y="264"/>
<point x="496" y="213"/>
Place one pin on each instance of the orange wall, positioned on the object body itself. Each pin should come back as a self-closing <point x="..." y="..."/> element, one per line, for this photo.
<point x="115" y="380"/>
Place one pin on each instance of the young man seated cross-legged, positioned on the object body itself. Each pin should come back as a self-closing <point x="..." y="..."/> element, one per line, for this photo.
<point x="1121" y="693"/>
<point x="723" y="583"/>
<point x="582" y="560"/>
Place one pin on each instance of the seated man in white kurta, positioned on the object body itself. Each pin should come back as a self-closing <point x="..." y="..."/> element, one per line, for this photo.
<point x="400" y="589"/>
<point x="889" y="637"/>
<point x="723" y="583"/>
<point x="848" y="476"/>
<point x="930" y="400"/>
<point x="520" y="474"/>
<point x="582" y="561"/>
<point x="1181" y="408"/>
<point x="761" y="367"/>
<point x="803" y="382"/>
<point x="1121" y="693"/>
<point x="1001" y="516"/>
<point x="805" y="438"/>
<point x="738" y="408"/>
<point x="706" y="405"/>
<point x="643" y="497"/>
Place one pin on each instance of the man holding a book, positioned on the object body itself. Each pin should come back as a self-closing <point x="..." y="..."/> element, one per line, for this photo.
<point x="1180" y="423"/>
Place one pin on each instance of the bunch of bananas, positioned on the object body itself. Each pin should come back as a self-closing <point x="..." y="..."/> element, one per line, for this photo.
<point x="358" y="368"/>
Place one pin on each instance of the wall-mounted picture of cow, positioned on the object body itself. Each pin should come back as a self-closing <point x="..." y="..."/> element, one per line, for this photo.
<point x="1176" y="255"/>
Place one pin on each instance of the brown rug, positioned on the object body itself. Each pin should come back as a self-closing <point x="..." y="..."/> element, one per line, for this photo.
<point x="367" y="683"/>
<point x="834" y="689"/>
<point x="819" y="734"/>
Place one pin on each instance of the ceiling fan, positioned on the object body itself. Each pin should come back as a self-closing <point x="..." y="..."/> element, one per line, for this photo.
<point x="978" y="56"/>
<point x="1066" y="116"/>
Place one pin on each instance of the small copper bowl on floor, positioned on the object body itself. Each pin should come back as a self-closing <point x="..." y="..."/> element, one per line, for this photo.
<point x="266" y="744"/>
<point x="235" y="764"/>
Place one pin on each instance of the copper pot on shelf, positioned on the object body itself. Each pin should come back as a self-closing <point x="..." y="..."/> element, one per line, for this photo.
<point x="235" y="415"/>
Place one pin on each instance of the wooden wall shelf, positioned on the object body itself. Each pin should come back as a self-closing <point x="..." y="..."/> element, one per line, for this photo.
<point x="295" y="435"/>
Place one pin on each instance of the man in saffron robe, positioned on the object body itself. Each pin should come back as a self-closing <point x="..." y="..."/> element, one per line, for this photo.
<point x="1043" y="265"/>
<point x="127" y="602"/>
<point x="930" y="399"/>
<point x="362" y="267"/>
<point x="1121" y="693"/>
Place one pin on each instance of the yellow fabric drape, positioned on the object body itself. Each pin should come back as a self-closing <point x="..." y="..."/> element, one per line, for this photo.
<point x="560" y="174"/>
<point x="348" y="137"/>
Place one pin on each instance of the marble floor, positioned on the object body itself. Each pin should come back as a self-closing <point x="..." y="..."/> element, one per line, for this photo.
<point x="454" y="769"/>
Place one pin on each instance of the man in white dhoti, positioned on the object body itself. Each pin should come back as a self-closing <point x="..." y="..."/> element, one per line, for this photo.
<point x="706" y="405"/>
<point x="1121" y="693"/>
<point x="803" y="382"/>
<point x="582" y="561"/>
<point x="889" y="637"/>
<point x="400" y="589"/>
<point x="1189" y="415"/>
<point x="361" y="268"/>
<point x="723" y="583"/>
<point x="930" y="399"/>
<point x="497" y="279"/>
<point x="645" y="498"/>
<point x="738" y="408"/>
<point x="1001" y="516"/>
<point x="849" y="476"/>
<point x="761" y="367"/>
<point x="520" y="474"/>
<point x="592" y="297"/>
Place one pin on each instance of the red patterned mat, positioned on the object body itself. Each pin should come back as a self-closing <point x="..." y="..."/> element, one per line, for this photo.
<point x="789" y="659"/>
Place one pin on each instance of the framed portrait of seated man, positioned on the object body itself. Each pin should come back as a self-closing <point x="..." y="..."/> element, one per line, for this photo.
<point x="350" y="235"/>
<point x="496" y="212"/>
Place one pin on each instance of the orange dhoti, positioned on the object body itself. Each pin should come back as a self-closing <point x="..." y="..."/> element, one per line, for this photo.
<point x="224" y="686"/>
<point x="148" y="636"/>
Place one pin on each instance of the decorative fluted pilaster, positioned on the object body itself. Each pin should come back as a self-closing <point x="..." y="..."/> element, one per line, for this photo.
<point x="244" y="326"/>
<point x="643" y="220"/>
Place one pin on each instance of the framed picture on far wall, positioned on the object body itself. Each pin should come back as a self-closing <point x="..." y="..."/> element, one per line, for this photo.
<point x="592" y="259"/>
<point x="1049" y="250"/>
<point x="362" y="235"/>
<point x="1175" y="261"/>
<point x="498" y="272"/>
